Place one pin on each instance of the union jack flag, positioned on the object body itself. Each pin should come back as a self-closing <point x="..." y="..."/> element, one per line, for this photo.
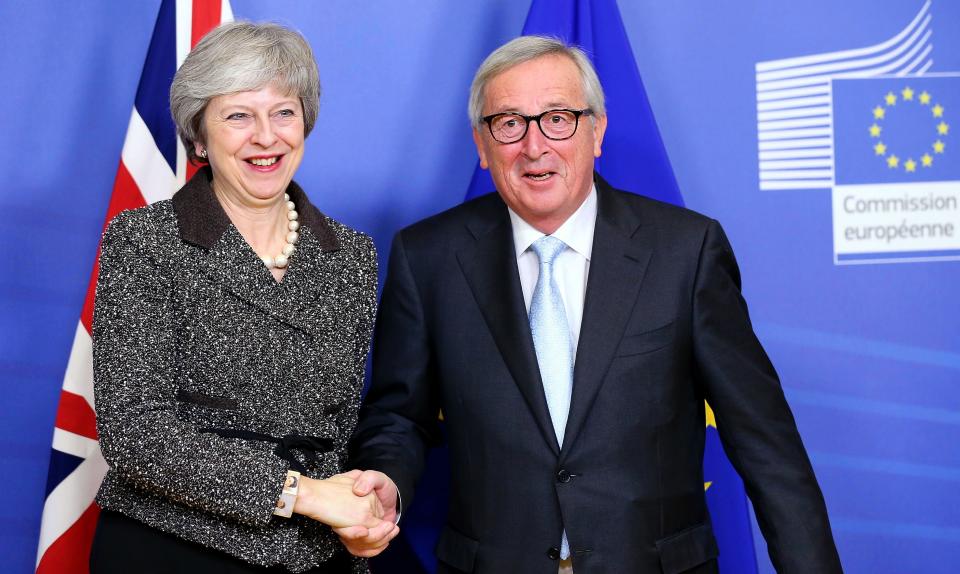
<point x="153" y="165"/>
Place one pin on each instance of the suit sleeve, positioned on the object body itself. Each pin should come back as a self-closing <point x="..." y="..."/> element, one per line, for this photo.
<point x="398" y="420"/>
<point x="755" y="423"/>
<point x="134" y="361"/>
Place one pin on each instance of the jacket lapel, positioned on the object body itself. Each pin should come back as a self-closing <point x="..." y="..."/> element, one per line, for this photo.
<point x="312" y="290"/>
<point x="490" y="267"/>
<point x="233" y="266"/>
<point x="621" y="252"/>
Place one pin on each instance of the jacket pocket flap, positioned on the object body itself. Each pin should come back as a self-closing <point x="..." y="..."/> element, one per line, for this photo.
<point x="687" y="549"/>
<point x="646" y="342"/>
<point x="456" y="549"/>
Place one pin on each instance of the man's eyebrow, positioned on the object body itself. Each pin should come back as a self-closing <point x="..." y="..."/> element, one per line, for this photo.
<point x="555" y="105"/>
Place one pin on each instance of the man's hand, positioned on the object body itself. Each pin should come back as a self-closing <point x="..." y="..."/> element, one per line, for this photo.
<point x="368" y="542"/>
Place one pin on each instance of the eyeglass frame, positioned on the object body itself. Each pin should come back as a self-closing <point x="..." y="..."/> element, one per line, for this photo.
<point x="528" y="119"/>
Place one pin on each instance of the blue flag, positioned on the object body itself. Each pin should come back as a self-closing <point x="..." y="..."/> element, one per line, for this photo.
<point x="895" y="129"/>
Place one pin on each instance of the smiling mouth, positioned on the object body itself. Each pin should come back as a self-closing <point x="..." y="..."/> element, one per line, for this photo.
<point x="264" y="161"/>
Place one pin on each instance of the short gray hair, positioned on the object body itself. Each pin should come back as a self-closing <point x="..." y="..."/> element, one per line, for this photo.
<point x="238" y="57"/>
<point x="524" y="49"/>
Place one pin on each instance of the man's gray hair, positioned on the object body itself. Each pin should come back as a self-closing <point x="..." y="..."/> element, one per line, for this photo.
<point x="524" y="49"/>
<point x="239" y="57"/>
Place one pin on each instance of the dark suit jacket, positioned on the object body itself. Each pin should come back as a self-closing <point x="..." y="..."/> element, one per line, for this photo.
<point x="191" y="332"/>
<point x="664" y="328"/>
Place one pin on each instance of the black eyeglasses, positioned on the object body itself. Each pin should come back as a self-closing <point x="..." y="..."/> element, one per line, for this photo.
<point x="511" y="127"/>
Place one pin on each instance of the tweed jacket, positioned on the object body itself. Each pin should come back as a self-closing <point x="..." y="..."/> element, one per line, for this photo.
<point x="191" y="333"/>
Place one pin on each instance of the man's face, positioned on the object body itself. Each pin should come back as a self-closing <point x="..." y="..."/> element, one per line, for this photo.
<point x="544" y="181"/>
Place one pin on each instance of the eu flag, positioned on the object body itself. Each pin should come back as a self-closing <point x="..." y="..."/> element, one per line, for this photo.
<point x="895" y="129"/>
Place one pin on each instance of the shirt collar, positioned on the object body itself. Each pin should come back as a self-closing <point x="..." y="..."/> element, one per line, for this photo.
<point x="576" y="231"/>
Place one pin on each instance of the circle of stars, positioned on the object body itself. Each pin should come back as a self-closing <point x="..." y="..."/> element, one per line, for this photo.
<point x="876" y="129"/>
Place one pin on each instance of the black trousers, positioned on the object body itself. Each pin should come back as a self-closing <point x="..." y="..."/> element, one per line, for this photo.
<point x="123" y="545"/>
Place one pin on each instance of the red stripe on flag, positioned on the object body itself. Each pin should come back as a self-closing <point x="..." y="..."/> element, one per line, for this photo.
<point x="70" y="554"/>
<point x="192" y="168"/>
<point x="126" y="195"/>
<point x="206" y="16"/>
<point x="75" y="415"/>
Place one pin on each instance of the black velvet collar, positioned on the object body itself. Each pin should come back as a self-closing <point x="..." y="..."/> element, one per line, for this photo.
<point x="202" y="220"/>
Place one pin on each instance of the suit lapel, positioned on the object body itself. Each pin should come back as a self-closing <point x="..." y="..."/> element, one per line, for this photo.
<point x="621" y="252"/>
<point x="490" y="267"/>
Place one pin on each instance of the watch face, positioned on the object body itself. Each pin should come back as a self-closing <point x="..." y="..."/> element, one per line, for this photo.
<point x="293" y="481"/>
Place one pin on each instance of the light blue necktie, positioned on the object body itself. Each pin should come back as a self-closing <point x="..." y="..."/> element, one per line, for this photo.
<point x="551" y="339"/>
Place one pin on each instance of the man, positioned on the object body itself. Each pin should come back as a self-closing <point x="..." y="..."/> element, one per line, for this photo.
<point x="570" y="333"/>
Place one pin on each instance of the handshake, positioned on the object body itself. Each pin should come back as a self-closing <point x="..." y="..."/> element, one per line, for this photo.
<point x="360" y="507"/>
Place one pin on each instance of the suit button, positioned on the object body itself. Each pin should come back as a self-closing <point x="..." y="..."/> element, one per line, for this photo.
<point x="563" y="476"/>
<point x="553" y="554"/>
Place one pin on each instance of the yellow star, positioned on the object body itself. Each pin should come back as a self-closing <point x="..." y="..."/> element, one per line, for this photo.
<point x="890" y="99"/>
<point x="938" y="146"/>
<point x="706" y="485"/>
<point x="910" y="165"/>
<point x="924" y="98"/>
<point x="927" y="160"/>
<point x="875" y="131"/>
<point x="943" y="128"/>
<point x="878" y="113"/>
<point x="880" y="149"/>
<point x="938" y="111"/>
<point x="907" y="94"/>
<point x="893" y="161"/>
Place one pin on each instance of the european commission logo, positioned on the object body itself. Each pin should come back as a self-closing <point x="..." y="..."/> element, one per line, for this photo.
<point x="876" y="127"/>
<point x="914" y="120"/>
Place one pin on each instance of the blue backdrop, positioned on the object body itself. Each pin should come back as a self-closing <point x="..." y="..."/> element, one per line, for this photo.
<point x="868" y="353"/>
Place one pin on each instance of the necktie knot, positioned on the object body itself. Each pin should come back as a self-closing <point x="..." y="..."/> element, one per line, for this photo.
<point x="547" y="248"/>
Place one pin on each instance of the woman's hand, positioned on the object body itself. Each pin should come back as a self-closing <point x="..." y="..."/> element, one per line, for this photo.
<point x="369" y="542"/>
<point x="332" y="502"/>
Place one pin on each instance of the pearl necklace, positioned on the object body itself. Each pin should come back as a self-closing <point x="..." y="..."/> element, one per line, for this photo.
<point x="283" y="259"/>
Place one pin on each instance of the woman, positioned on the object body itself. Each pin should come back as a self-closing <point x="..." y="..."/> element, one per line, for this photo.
<point x="230" y="337"/>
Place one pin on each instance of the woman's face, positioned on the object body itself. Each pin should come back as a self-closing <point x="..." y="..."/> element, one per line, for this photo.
<point x="254" y="143"/>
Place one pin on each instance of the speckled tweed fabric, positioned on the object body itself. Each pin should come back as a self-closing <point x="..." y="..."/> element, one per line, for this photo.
<point x="190" y="332"/>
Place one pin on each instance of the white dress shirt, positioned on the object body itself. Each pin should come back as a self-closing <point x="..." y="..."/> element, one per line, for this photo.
<point x="571" y="267"/>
